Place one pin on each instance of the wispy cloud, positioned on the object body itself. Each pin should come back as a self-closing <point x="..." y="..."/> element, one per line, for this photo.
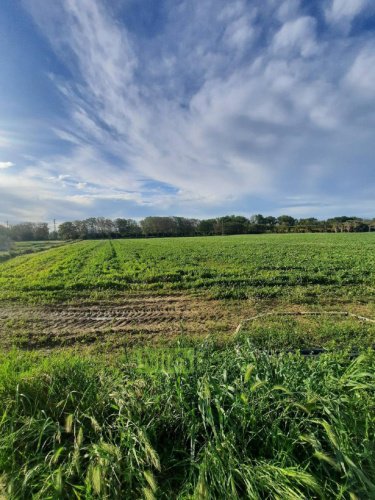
<point x="343" y="12"/>
<point x="221" y="103"/>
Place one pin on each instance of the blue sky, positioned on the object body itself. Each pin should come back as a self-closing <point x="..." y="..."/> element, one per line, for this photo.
<point x="186" y="107"/>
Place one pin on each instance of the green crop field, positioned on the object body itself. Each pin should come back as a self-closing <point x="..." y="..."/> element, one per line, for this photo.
<point x="295" y="268"/>
<point x="127" y="291"/>
<point x="175" y="368"/>
<point x="27" y="247"/>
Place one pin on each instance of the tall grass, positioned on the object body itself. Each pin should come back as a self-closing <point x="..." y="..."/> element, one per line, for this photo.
<point x="240" y="425"/>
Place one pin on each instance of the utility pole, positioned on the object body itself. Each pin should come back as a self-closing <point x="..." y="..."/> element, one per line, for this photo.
<point x="54" y="229"/>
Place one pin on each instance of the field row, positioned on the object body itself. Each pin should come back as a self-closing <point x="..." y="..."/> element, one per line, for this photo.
<point x="165" y="320"/>
<point x="137" y="320"/>
<point x="298" y="268"/>
<point x="28" y="247"/>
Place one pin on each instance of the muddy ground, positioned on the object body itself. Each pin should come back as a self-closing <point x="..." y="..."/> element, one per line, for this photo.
<point x="134" y="319"/>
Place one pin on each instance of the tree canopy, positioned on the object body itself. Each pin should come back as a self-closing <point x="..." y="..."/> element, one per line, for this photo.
<point x="154" y="226"/>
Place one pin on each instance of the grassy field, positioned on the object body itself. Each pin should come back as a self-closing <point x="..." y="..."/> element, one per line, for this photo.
<point x="302" y="268"/>
<point x="236" y="424"/>
<point x="113" y="293"/>
<point x="136" y="369"/>
<point x="27" y="247"/>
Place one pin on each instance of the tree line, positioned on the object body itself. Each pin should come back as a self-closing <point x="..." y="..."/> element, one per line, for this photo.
<point x="101" y="227"/>
<point x="25" y="231"/>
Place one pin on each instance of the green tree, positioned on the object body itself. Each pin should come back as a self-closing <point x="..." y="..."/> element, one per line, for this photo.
<point x="68" y="231"/>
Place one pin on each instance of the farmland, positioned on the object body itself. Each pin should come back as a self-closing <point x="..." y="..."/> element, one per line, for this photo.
<point x="88" y="412"/>
<point x="122" y="291"/>
<point x="27" y="247"/>
<point x="293" y="268"/>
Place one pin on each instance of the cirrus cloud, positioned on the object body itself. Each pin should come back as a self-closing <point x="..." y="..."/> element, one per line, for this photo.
<point x="206" y="105"/>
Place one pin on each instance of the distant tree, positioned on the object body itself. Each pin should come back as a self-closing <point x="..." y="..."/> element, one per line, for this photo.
<point x="361" y="227"/>
<point x="338" y="224"/>
<point x="285" y="222"/>
<point x="355" y="225"/>
<point x="260" y="224"/>
<point x="308" y="224"/>
<point x="159" y="226"/>
<point x="270" y="221"/>
<point x="5" y="241"/>
<point x="257" y="219"/>
<point x="104" y="228"/>
<point x="68" y="231"/>
<point x="91" y="229"/>
<point x="22" y="232"/>
<point x="310" y="221"/>
<point x="81" y="229"/>
<point x="127" y="228"/>
<point x="234" y="224"/>
<point x="257" y="229"/>
<point x="29" y="231"/>
<point x="185" y="227"/>
<point x="100" y="227"/>
<point x="3" y="230"/>
<point x="206" y="227"/>
<point x="41" y="231"/>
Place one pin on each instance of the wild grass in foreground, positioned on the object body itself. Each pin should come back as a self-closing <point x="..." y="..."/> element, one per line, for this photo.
<point x="329" y="331"/>
<point x="235" y="425"/>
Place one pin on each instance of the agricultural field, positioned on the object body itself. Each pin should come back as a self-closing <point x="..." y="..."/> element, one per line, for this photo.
<point x="190" y="368"/>
<point x="294" y="268"/>
<point x="27" y="247"/>
<point x="125" y="291"/>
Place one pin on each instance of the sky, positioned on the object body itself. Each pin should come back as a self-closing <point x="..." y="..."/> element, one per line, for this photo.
<point x="197" y="108"/>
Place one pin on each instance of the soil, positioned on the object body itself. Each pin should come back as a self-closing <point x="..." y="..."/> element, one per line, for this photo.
<point x="133" y="319"/>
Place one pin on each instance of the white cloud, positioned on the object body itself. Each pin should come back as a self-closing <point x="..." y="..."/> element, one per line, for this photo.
<point x="297" y="36"/>
<point x="345" y="10"/>
<point x="361" y="75"/>
<point x="241" y="32"/>
<point x="288" y="9"/>
<point x="6" y="164"/>
<point x="225" y="102"/>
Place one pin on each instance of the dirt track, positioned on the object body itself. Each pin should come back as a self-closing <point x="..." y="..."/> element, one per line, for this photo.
<point x="133" y="319"/>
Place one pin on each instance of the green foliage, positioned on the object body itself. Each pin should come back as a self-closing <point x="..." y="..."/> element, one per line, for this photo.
<point x="29" y="231"/>
<point x="299" y="268"/>
<point x="280" y="333"/>
<point x="234" y="422"/>
<point x="240" y="425"/>
<point x="27" y="247"/>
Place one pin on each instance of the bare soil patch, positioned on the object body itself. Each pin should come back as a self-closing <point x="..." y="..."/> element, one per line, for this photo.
<point x="134" y="319"/>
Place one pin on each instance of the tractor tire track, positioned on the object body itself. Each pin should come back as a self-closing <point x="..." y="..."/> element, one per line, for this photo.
<point x="148" y="316"/>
